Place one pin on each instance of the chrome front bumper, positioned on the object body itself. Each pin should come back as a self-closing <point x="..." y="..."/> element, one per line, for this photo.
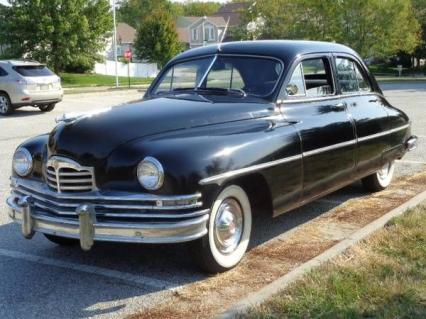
<point x="119" y="217"/>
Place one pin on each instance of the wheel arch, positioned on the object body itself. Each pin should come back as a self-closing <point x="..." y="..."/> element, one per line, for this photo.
<point x="258" y="192"/>
<point x="7" y="94"/>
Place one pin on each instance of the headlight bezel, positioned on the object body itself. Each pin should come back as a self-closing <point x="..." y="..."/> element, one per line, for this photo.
<point x="151" y="162"/>
<point x="28" y="157"/>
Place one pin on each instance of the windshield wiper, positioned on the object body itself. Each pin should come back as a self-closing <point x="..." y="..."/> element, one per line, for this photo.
<point x="223" y="91"/>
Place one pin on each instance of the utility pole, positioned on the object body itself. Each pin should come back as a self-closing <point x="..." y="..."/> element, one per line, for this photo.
<point x="115" y="44"/>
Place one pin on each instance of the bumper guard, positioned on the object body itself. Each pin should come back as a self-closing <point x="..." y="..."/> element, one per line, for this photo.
<point x="87" y="228"/>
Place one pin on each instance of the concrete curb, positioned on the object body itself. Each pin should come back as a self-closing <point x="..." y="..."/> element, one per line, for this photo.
<point x="279" y="284"/>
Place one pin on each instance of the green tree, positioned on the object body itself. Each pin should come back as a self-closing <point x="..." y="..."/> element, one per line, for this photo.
<point x="61" y="33"/>
<point x="377" y="28"/>
<point x="157" y="40"/>
<point x="199" y="9"/>
<point x="134" y="12"/>
<point x="420" y="13"/>
<point x="374" y="28"/>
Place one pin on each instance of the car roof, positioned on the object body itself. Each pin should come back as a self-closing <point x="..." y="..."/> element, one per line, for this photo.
<point x="285" y="50"/>
<point x="20" y="62"/>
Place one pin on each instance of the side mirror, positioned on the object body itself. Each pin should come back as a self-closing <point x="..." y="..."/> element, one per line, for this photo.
<point x="291" y="89"/>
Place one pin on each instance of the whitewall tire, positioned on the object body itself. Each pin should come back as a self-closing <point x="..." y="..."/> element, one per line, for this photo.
<point x="380" y="179"/>
<point x="229" y="230"/>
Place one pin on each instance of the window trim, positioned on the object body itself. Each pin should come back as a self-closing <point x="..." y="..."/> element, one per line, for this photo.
<point x="361" y="68"/>
<point x="282" y="96"/>
<point x="283" y="99"/>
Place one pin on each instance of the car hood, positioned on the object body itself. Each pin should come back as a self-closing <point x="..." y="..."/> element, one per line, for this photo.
<point x="94" y="137"/>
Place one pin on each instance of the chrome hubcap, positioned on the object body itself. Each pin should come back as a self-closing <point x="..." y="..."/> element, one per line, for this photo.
<point x="228" y="226"/>
<point x="3" y="104"/>
<point x="383" y="173"/>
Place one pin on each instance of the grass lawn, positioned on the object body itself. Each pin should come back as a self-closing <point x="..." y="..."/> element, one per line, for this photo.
<point x="400" y="79"/>
<point x="87" y="80"/>
<point x="382" y="277"/>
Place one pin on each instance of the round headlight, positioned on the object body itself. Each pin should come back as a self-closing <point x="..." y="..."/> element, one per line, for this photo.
<point x="150" y="173"/>
<point x="22" y="162"/>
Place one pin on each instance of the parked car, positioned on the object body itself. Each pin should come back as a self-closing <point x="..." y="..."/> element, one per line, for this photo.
<point x="28" y="83"/>
<point x="223" y="133"/>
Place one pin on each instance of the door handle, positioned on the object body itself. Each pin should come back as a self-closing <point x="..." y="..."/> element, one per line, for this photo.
<point x="339" y="106"/>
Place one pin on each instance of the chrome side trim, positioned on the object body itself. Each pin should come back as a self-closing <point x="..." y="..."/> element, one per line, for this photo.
<point x="370" y="137"/>
<point x="220" y="178"/>
<point x="329" y="148"/>
<point x="327" y="97"/>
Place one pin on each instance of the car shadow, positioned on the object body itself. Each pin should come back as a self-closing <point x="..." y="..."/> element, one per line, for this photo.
<point x="83" y="292"/>
<point x="23" y="113"/>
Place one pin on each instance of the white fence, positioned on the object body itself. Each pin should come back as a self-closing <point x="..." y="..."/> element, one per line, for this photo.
<point x="136" y="69"/>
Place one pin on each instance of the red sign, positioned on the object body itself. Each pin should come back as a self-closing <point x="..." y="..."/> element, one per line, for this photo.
<point x="128" y="55"/>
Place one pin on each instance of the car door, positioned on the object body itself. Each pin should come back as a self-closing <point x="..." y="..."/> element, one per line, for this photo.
<point x="367" y="110"/>
<point x="326" y="130"/>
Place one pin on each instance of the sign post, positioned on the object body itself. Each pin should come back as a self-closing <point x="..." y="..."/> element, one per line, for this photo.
<point x="128" y="57"/>
<point x="399" y="67"/>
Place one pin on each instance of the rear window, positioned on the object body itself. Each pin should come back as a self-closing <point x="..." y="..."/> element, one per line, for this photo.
<point x="33" y="70"/>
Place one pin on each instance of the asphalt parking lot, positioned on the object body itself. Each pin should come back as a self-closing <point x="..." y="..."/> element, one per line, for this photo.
<point x="40" y="279"/>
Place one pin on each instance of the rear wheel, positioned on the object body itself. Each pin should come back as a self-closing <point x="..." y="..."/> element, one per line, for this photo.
<point x="5" y="105"/>
<point x="229" y="232"/>
<point x="61" y="241"/>
<point x="380" y="179"/>
<point x="47" y="107"/>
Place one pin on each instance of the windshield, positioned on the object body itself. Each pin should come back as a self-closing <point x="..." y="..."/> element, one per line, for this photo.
<point x="33" y="70"/>
<point x="251" y="75"/>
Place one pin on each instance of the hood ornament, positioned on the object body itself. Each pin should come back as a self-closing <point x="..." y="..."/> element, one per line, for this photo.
<point x="74" y="116"/>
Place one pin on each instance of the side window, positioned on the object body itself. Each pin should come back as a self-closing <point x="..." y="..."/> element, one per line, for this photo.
<point x="2" y="72"/>
<point x="311" y="78"/>
<point x="296" y="86"/>
<point x="350" y="77"/>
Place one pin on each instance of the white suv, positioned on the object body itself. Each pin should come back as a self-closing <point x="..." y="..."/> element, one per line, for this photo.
<point x="28" y="83"/>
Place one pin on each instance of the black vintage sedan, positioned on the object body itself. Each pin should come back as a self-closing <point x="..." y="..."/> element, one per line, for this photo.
<point x="224" y="132"/>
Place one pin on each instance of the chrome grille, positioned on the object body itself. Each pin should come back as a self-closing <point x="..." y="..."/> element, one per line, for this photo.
<point x="65" y="175"/>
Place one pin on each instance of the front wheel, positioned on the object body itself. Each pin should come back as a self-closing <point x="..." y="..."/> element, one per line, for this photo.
<point x="47" y="107"/>
<point x="380" y="179"/>
<point x="228" y="234"/>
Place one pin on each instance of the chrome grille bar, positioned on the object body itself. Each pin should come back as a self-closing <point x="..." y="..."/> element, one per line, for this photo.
<point x="66" y="175"/>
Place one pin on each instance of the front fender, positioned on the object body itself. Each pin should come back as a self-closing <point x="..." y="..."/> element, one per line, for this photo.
<point x="191" y="155"/>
